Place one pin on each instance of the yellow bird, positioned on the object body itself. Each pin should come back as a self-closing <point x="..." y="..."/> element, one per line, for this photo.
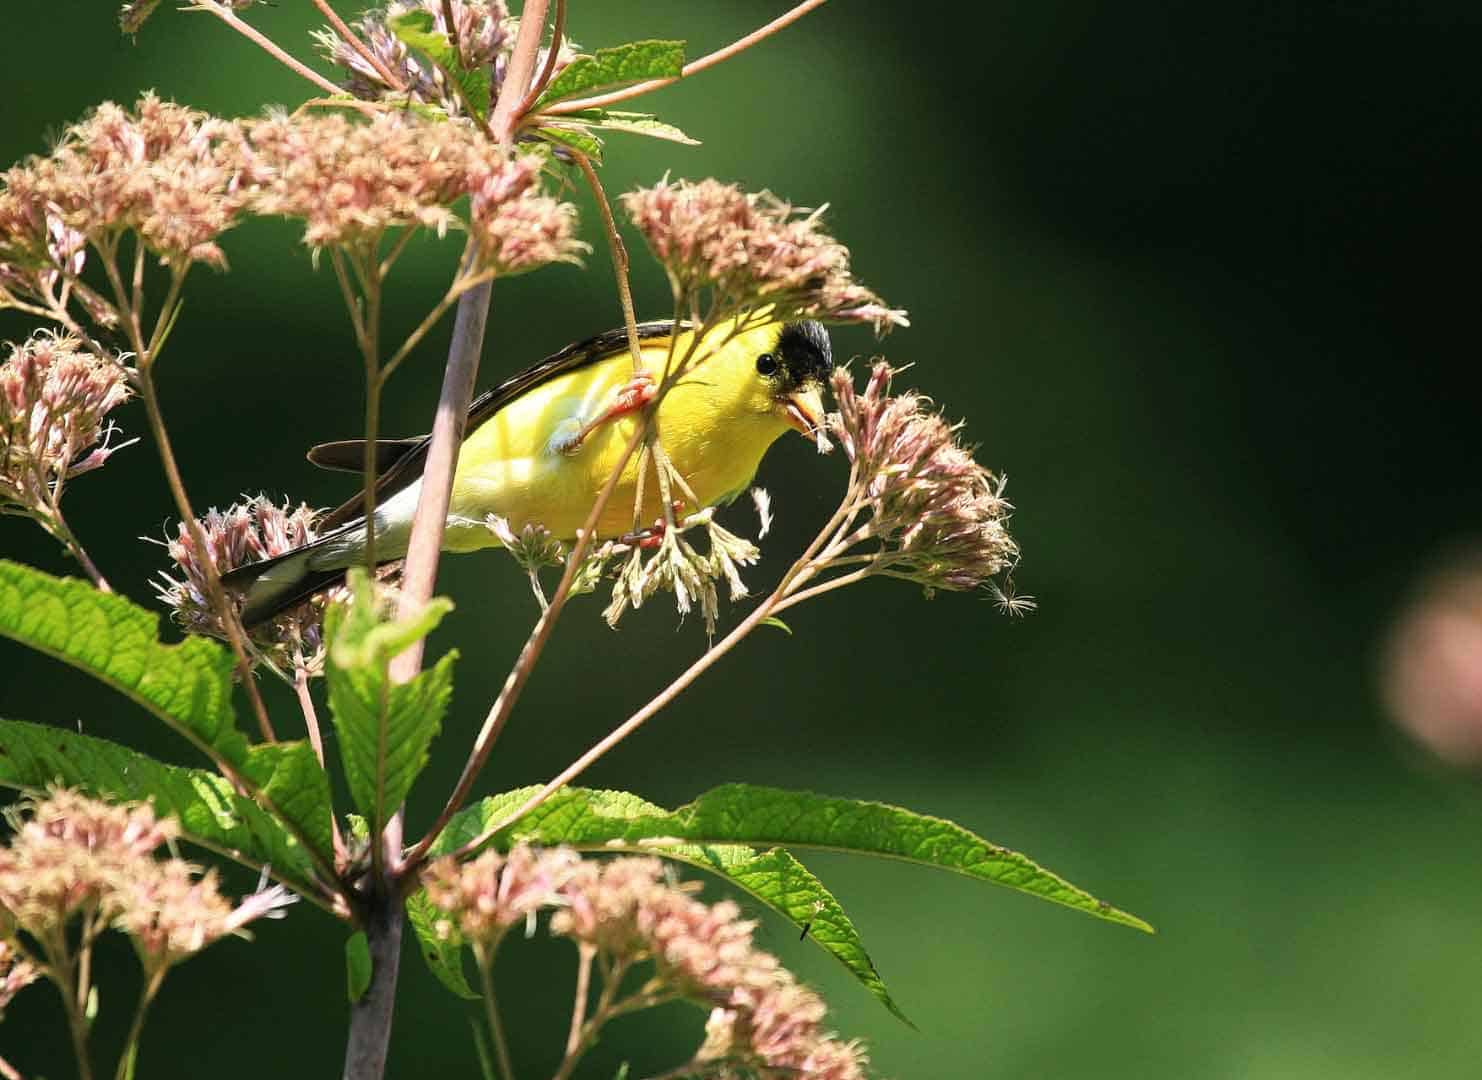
<point x="539" y="446"/>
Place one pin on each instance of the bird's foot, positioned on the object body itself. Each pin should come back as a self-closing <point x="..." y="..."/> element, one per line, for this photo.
<point x="637" y="393"/>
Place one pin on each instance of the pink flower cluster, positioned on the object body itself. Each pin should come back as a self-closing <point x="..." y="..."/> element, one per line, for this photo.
<point x="180" y="178"/>
<point x="170" y="173"/>
<point x="762" y="1020"/>
<point x="71" y="853"/>
<point x="242" y="534"/>
<point x="941" y="516"/>
<point x="748" y="250"/>
<point x="349" y="180"/>
<point x="53" y="401"/>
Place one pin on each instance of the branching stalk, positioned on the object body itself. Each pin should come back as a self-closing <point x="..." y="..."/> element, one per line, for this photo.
<point x="226" y="15"/>
<point x="693" y="68"/>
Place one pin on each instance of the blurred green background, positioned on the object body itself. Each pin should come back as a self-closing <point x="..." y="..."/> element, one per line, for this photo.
<point x="1203" y="282"/>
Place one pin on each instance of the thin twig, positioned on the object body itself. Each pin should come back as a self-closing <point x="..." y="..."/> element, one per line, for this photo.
<point x="353" y="40"/>
<point x="709" y="60"/>
<point x="583" y="988"/>
<point x="619" y="252"/>
<point x="491" y="1012"/>
<point x="632" y="724"/>
<point x="524" y="664"/>
<point x="136" y="1029"/>
<point x="9" y="1071"/>
<point x="226" y="15"/>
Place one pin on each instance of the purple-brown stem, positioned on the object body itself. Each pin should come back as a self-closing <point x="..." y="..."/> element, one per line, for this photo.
<point x="226" y="15"/>
<point x="383" y="907"/>
<point x="353" y="40"/>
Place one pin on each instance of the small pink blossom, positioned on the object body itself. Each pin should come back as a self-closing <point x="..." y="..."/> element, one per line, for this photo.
<point x="751" y="250"/>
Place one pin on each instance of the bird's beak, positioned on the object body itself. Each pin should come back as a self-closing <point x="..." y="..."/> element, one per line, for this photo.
<point x="804" y="409"/>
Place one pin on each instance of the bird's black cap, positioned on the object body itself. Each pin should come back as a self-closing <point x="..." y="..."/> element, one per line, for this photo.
<point x="807" y="356"/>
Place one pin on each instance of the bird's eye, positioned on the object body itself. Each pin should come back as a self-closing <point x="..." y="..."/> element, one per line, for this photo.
<point x="766" y="364"/>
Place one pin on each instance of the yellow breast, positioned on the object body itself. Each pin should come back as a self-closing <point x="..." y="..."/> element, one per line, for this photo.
<point x="713" y="423"/>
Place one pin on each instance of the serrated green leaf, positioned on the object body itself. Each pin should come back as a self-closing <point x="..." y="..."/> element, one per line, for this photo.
<point x="188" y="686"/>
<point x="416" y="28"/>
<point x="357" y="965"/>
<point x="384" y="728"/>
<point x="444" y="956"/>
<point x="617" y="821"/>
<point x="637" y="124"/>
<point x="620" y="65"/>
<point x="210" y="812"/>
<point x="762" y="815"/>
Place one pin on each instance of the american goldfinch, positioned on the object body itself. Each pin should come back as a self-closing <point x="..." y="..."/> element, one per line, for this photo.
<point x="538" y="447"/>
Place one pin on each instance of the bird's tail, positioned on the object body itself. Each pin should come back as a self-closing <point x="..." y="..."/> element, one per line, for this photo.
<point x="276" y="584"/>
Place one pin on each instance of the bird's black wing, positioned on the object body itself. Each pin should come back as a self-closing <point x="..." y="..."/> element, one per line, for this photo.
<point x="410" y="455"/>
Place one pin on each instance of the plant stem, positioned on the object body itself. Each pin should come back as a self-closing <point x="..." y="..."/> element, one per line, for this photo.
<point x="226" y="15"/>
<point x="9" y="1071"/>
<point x="491" y="1012"/>
<point x="517" y="73"/>
<point x="350" y="38"/>
<point x="514" y="682"/>
<point x="383" y="918"/>
<point x="619" y="256"/>
<point x="633" y="723"/>
<point x="74" y="547"/>
<point x="131" y="1046"/>
<point x="579" y="1004"/>
<point x="229" y="620"/>
<point x="424" y="547"/>
<point x="558" y="31"/>
<point x="693" y="68"/>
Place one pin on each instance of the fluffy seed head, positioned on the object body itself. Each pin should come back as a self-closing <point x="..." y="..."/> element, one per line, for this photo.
<point x="749" y="250"/>
<point x="941" y="516"/>
<point x="484" y="897"/>
<point x="169" y="173"/>
<point x="54" y="399"/>
<point x="245" y="533"/>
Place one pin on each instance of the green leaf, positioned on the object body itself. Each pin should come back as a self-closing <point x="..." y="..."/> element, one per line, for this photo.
<point x="357" y="965"/>
<point x="763" y="815"/>
<point x="618" y="66"/>
<point x="416" y="28"/>
<point x="384" y="728"/>
<point x="444" y="956"/>
<point x="635" y="123"/>
<point x="577" y="138"/>
<point x="774" y="621"/>
<point x="616" y="821"/>
<point x="188" y="686"/>
<point x="210" y="812"/>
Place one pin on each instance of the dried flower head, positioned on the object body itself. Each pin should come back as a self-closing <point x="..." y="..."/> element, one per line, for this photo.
<point x="350" y="178"/>
<point x="172" y="911"/>
<point x="245" y="533"/>
<point x="518" y="228"/>
<point x="750" y="250"/>
<point x="762" y="1022"/>
<point x="69" y="850"/>
<point x="484" y="897"/>
<point x="939" y="518"/>
<point x="676" y="566"/>
<point x="482" y="30"/>
<point x="169" y="173"/>
<point x="54" y="399"/>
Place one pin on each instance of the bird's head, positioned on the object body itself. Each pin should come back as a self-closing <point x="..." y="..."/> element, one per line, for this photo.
<point x="793" y="366"/>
